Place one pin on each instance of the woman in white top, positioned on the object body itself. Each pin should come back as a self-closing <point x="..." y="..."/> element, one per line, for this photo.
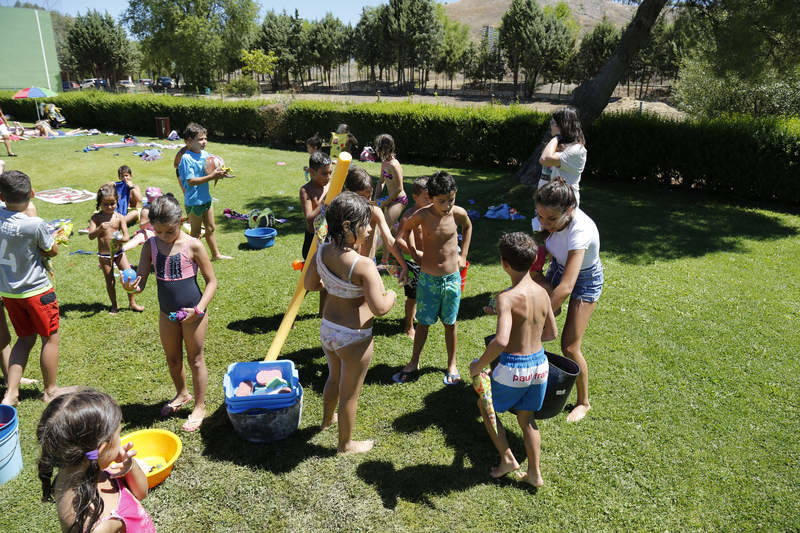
<point x="575" y="272"/>
<point x="565" y="154"/>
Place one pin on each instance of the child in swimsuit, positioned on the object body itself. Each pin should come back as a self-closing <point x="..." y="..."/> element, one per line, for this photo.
<point x="145" y="227"/>
<point x="419" y="192"/>
<point x="392" y="177"/>
<point x="99" y="484"/>
<point x="355" y="295"/>
<point x="175" y="257"/>
<point x="519" y="381"/>
<point x="439" y="283"/>
<point x="360" y="182"/>
<point x="129" y="203"/>
<point x="111" y="231"/>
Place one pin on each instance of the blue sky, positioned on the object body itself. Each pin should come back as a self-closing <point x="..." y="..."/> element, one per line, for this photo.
<point x="347" y="11"/>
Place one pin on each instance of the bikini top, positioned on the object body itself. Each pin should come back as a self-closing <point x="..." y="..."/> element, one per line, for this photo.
<point x="386" y="175"/>
<point x="130" y="512"/>
<point x="174" y="267"/>
<point x="336" y="285"/>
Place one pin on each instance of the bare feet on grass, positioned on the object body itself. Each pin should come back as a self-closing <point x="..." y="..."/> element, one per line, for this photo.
<point x="51" y="395"/>
<point x="334" y="419"/>
<point x="220" y="257"/>
<point x="504" y="468"/>
<point x="7" y="400"/>
<point x="410" y="333"/>
<point x="356" y="446"/>
<point x="578" y="412"/>
<point x="113" y="311"/>
<point x="136" y="307"/>
<point x="532" y="479"/>
<point x="28" y="381"/>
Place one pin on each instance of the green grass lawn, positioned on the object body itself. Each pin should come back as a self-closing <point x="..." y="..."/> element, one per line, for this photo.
<point x="692" y="351"/>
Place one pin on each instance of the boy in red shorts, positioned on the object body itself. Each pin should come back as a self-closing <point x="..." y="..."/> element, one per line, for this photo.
<point x="25" y="287"/>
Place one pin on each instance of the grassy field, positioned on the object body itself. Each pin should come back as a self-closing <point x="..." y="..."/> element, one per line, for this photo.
<point x="692" y="352"/>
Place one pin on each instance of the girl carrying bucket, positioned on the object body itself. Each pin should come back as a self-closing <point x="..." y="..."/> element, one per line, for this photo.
<point x="575" y="272"/>
<point x="99" y="484"/>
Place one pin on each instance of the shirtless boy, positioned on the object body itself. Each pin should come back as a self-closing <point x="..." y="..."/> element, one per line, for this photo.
<point x="439" y="284"/>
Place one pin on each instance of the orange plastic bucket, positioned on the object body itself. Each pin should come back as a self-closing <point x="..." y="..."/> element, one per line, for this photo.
<point x="464" y="276"/>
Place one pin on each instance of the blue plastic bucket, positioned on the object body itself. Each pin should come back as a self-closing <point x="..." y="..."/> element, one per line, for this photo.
<point x="10" y="450"/>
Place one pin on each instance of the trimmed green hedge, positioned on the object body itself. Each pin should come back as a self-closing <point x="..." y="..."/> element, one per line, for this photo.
<point x="749" y="157"/>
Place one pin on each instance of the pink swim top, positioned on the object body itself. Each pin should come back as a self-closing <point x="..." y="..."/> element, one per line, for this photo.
<point x="173" y="267"/>
<point x="336" y="285"/>
<point x="130" y="512"/>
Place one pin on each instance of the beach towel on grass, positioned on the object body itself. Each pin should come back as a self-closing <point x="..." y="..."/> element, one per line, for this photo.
<point x="65" y="195"/>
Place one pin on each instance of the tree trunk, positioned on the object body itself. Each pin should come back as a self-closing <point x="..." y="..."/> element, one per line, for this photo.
<point x="591" y="96"/>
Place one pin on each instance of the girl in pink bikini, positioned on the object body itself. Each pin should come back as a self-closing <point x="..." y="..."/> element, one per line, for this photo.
<point x="392" y="177"/>
<point x="99" y="484"/>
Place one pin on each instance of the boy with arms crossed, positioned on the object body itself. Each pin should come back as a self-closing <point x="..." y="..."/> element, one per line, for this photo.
<point x="524" y="319"/>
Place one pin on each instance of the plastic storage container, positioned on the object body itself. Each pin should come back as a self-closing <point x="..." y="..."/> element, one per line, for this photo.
<point x="263" y="417"/>
<point x="562" y="373"/>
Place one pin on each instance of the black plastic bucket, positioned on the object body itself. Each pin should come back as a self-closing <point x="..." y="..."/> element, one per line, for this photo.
<point x="560" y="379"/>
<point x="562" y="373"/>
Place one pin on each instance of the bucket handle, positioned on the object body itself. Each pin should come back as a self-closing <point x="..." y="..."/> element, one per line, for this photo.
<point x="13" y="448"/>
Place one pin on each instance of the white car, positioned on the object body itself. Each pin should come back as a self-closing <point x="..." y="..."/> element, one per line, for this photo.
<point x="88" y="83"/>
<point x="128" y="84"/>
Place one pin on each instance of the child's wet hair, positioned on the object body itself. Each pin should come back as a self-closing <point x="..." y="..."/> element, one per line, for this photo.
<point x="72" y="425"/>
<point x="518" y="250"/>
<point x="419" y="186"/>
<point x="106" y="191"/>
<point x="347" y="206"/>
<point x="124" y="169"/>
<point x="317" y="160"/>
<point x="384" y="146"/>
<point x="15" y="186"/>
<point x="570" y="126"/>
<point x="441" y="183"/>
<point x="357" y="179"/>
<point x="556" y="194"/>
<point x="314" y="141"/>
<point x="193" y="129"/>
<point x="165" y="210"/>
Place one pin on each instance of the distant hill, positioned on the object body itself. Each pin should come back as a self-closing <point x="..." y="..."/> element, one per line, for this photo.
<point x="479" y="13"/>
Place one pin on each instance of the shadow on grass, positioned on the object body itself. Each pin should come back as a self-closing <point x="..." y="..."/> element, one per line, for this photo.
<point x="86" y="309"/>
<point x="142" y="415"/>
<point x="258" y="325"/>
<point x="278" y="457"/>
<point x="640" y="226"/>
<point x="472" y="306"/>
<point x="454" y="412"/>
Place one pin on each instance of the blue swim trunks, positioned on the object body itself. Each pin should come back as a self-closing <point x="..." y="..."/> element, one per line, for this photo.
<point x="438" y="297"/>
<point x="519" y="382"/>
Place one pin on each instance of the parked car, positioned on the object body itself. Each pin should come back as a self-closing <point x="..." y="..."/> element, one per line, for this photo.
<point x="165" y="82"/>
<point x="146" y="82"/>
<point x="88" y="83"/>
<point x="70" y="86"/>
<point x="126" y="84"/>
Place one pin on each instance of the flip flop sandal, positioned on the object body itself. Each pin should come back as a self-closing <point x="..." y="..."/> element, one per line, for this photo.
<point x="169" y="409"/>
<point x="192" y="424"/>
<point x="405" y="377"/>
<point x="452" y="379"/>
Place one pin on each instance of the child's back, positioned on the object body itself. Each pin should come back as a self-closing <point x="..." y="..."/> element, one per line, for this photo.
<point x="529" y="305"/>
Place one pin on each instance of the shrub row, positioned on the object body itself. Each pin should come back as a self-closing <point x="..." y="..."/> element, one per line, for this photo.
<point x="750" y="157"/>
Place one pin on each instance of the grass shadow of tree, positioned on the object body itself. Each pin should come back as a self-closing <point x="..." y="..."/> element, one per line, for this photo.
<point x="453" y="411"/>
<point x="639" y="226"/>
<point x="140" y="416"/>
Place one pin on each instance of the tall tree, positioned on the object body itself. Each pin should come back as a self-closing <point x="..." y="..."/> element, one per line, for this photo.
<point x="517" y="27"/>
<point x="368" y="39"/>
<point x="240" y="31"/>
<point x="275" y="36"/>
<point x="596" y="48"/>
<point x="99" y="46"/>
<point x="454" y="46"/>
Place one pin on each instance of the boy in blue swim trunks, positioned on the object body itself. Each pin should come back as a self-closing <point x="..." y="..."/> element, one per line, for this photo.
<point x="524" y="319"/>
<point x="439" y="283"/>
